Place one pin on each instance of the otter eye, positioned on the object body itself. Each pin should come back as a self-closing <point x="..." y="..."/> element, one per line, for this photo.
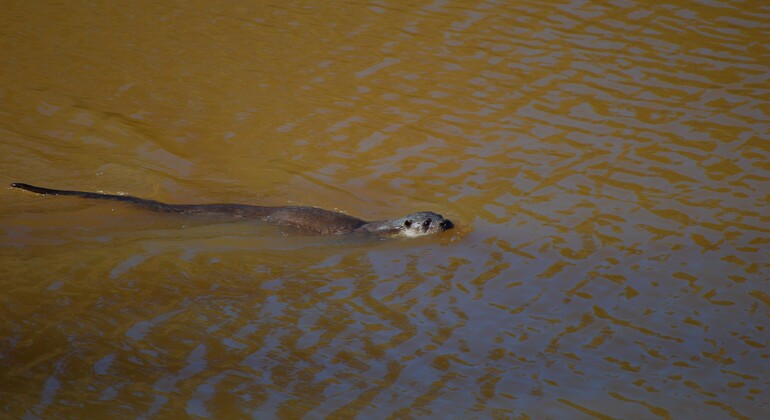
<point x="408" y="223"/>
<point x="426" y="224"/>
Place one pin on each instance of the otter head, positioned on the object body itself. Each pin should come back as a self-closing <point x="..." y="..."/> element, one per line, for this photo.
<point x="422" y="223"/>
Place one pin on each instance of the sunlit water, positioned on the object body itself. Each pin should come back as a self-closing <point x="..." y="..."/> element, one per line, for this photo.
<point x="607" y="166"/>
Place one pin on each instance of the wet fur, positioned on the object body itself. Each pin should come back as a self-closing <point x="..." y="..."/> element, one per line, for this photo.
<point x="310" y="219"/>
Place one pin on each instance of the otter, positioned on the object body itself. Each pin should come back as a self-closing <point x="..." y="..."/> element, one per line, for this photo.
<point x="310" y="219"/>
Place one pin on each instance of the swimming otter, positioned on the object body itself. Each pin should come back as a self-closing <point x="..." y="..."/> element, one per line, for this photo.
<point x="310" y="219"/>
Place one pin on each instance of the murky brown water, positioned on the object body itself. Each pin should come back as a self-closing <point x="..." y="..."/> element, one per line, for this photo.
<point x="607" y="165"/>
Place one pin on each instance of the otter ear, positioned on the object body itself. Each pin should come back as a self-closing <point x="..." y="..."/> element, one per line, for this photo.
<point x="408" y="223"/>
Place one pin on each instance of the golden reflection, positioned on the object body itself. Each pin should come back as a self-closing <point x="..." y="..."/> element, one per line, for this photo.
<point x="606" y="163"/>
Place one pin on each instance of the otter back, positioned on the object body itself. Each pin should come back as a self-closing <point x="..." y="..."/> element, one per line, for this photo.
<point x="309" y="219"/>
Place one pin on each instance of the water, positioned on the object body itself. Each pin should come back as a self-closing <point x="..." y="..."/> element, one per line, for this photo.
<point x="606" y="165"/>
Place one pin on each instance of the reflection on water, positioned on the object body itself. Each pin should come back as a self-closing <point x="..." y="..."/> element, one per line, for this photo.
<point x="607" y="164"/>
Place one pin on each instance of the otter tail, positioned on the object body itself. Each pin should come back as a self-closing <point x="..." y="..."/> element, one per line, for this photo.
<point x="150" y="204"/>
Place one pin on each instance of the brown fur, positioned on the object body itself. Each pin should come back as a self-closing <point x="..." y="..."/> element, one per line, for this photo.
<point x="310" y="219"/>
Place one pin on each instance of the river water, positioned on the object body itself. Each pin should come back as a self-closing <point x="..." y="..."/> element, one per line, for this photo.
<point x="607" y="165"/>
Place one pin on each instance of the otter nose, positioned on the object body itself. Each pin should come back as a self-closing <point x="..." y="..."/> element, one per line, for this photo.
<point x="446" y="224"/>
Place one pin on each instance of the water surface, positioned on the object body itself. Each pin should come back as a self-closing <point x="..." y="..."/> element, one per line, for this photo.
<point x="606" y="165"/>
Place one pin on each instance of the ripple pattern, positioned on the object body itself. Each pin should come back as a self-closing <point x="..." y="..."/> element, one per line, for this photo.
<point x="607" y="164"/>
